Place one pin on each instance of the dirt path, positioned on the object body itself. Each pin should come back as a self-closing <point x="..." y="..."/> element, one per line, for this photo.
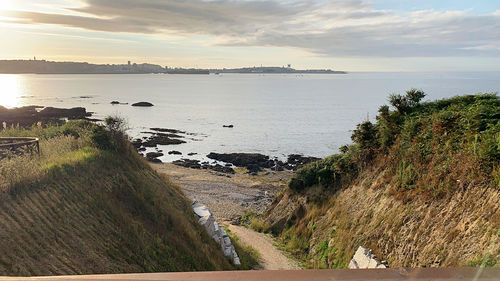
<point x="271" y="257"/>
<point x="229" y="196"/>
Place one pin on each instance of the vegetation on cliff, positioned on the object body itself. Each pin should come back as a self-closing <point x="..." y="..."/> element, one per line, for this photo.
<point x="90" y="204"/>
<point x="420" y="186"/>
<point x="433" y="147"/>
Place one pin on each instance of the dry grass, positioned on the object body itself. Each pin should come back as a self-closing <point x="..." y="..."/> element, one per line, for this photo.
<point x="81" y="210"/>
<point x="419" y="187"/>
<point x="56" y="151"/>
<point x="458" y="230"/>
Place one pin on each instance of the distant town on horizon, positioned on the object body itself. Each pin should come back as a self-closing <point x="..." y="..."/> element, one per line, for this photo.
<point x="36" y="66"/>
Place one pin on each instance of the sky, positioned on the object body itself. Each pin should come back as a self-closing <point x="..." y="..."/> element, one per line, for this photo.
<point x="352" y="35"/>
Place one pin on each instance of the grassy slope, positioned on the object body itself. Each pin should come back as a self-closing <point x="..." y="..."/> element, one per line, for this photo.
<point x="79" y="210"/>
<point x="420" y="187"/>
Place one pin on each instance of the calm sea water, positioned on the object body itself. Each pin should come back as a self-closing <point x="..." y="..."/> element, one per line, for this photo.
<point x="272" y="114"/>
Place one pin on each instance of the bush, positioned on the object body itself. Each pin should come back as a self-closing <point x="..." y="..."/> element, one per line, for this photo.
<point x="329" y="172"/>
<point x="116" y="124"/>
<point x="111" y="136"/>
<point x="365" y="135"/>
<point x="425" y="146"/>
<point x="102" y="138"/>
<point x="405" y="104"/>
<point x="296" y="184"/>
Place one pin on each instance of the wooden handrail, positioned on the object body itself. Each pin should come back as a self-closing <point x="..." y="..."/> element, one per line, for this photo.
<point x="390" y="274"/>
<point x="16" y="142"/>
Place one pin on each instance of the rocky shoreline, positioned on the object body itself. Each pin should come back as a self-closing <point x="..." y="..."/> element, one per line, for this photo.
<point x="29" y="115"/>
<point x="223" y="162"/>
<point x="252" y="162"/>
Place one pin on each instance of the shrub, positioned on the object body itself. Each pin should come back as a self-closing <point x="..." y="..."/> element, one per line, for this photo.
<point x="116" y="124"/>
<point x="424" y="146"/>
<point x="405" y="104"/>
<point x="102" y="138"/>
<point x="365" y="135"/>
<point x="296" y="184"/>
<point x="111" y="136"/>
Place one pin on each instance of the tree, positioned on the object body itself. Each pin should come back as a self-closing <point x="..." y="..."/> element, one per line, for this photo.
<point x="404" y="104"/>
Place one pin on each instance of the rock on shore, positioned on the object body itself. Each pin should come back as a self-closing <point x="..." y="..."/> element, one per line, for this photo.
<point x="153" y="157"/>
<point x="195" y="164"/>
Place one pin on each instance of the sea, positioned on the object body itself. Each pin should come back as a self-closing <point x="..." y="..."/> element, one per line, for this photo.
<point x="271" y="114"/>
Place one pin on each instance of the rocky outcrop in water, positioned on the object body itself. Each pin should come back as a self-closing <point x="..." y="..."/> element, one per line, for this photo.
<point x="29" y="115"/>
<point x="296" y="161"/>
<point x="255" y="162"/>
<point x="166" y="130"/>
<point x="220" y="236"/>
<point x="156" y="140"/>
<point x="143" y="104"/>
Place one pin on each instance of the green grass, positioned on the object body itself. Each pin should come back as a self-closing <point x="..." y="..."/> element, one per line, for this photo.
<point x="255" y="221"/>
<point x="82" y="209"/>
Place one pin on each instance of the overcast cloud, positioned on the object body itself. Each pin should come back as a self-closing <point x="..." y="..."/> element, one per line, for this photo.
<point x="330" y="28"/>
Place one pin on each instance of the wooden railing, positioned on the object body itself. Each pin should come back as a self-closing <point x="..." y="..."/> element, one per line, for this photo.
<point x="13" y="144"/>
<point x="393" y="274"/>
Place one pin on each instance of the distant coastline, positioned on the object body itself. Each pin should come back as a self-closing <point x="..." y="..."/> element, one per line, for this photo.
<point x="51" y="67"/>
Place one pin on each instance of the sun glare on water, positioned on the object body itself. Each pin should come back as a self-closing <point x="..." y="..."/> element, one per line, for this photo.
<point x="5" y="4"/>
<point x="9" y="90"/>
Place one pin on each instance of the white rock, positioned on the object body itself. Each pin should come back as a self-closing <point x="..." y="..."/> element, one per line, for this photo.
<point x="215" y="231"/>
<point x="216" y="238"/>
<point x="203" y="220"/>
<point x="228" y="251"/>
<point x="202" y="211"/>
<point x="364" y="258"/>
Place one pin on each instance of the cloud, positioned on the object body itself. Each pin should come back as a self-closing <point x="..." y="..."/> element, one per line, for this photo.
<point x="329" y="28"/>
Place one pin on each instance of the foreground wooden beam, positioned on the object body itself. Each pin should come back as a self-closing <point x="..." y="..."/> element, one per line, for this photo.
<point x="420" y="274"/>
<point x="14" y="143"/>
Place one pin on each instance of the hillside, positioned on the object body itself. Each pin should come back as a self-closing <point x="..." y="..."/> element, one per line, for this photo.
<point x="421" y="187"/>
<point x="90" y="204"/>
